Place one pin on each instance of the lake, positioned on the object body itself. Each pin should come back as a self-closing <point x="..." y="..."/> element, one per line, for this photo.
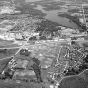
<point x="52" y="15"/>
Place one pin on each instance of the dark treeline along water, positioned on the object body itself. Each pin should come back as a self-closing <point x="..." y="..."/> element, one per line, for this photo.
<point x="52" y="15"/>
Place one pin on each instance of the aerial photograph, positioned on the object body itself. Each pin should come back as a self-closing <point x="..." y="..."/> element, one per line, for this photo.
<point x="43" y="43"/>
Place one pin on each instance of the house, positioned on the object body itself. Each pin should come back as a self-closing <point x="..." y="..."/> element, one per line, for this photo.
<point x="6" y="9"/>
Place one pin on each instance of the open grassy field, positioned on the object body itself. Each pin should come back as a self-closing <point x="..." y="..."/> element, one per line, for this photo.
<point x="13" y="84"/>
<point x="5" y="42"/>
<point x="4" y="53"/>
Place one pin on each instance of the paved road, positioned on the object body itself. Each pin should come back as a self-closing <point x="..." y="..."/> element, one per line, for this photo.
<point x="82" y="41"/>
<point x="20" y="47"/>
<point x="10" y="47"/>
<point x="28" y="44"/>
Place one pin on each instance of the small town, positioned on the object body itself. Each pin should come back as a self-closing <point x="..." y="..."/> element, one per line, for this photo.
<point x="43" y="44"/>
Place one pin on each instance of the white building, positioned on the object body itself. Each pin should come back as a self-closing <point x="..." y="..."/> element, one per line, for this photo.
<point x="6" y="9"/>
<point x="7" y="36"/>
<point x="18" y="36"/>
<point x="81" y="20"/>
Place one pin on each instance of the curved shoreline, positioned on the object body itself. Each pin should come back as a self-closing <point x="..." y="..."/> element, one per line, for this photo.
<point x="74" y="19"/>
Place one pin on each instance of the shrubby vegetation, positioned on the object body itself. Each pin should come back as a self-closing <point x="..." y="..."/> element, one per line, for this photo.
<point x="73" y="10"/>
<point x="74" y="19"/>
<point x="29" y="9"/>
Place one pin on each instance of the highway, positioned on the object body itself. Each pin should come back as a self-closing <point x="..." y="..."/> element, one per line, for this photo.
<point x="21" y="47"/>
<point x="43" y="42"/>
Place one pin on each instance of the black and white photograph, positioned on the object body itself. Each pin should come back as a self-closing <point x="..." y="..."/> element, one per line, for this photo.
<point x="43" y="43"/>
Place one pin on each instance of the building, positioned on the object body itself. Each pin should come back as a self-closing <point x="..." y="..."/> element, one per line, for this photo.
<point x="6" y="9"/>
<point x="7" y="36"/>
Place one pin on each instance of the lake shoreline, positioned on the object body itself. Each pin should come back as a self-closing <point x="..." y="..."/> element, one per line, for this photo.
<point x="74" y="19"/>
<point x="52" y="15"/>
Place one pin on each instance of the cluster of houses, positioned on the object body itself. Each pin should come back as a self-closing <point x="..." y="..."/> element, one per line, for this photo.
<point x="7" y="8"/>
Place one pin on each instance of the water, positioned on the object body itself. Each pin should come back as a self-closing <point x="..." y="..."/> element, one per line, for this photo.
<point x="53" y="16"/>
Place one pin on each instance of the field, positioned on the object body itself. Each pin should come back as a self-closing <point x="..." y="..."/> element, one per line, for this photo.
<point x="13" y="84"/>
<point x="7" y="52"/>
<point x="5" y="42"/>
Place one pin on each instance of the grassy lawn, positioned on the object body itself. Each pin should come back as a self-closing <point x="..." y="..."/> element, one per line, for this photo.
<point x="8" y="53"/>
<point x="5" y="42"/>
<point x="18" y="85"/>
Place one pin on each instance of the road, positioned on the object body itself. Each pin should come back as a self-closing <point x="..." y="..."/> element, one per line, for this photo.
<point x="10" y="47"/>
<point x="19" y="47"/>
<point x="43" y="42"/>
<point x="82" y="41"/>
